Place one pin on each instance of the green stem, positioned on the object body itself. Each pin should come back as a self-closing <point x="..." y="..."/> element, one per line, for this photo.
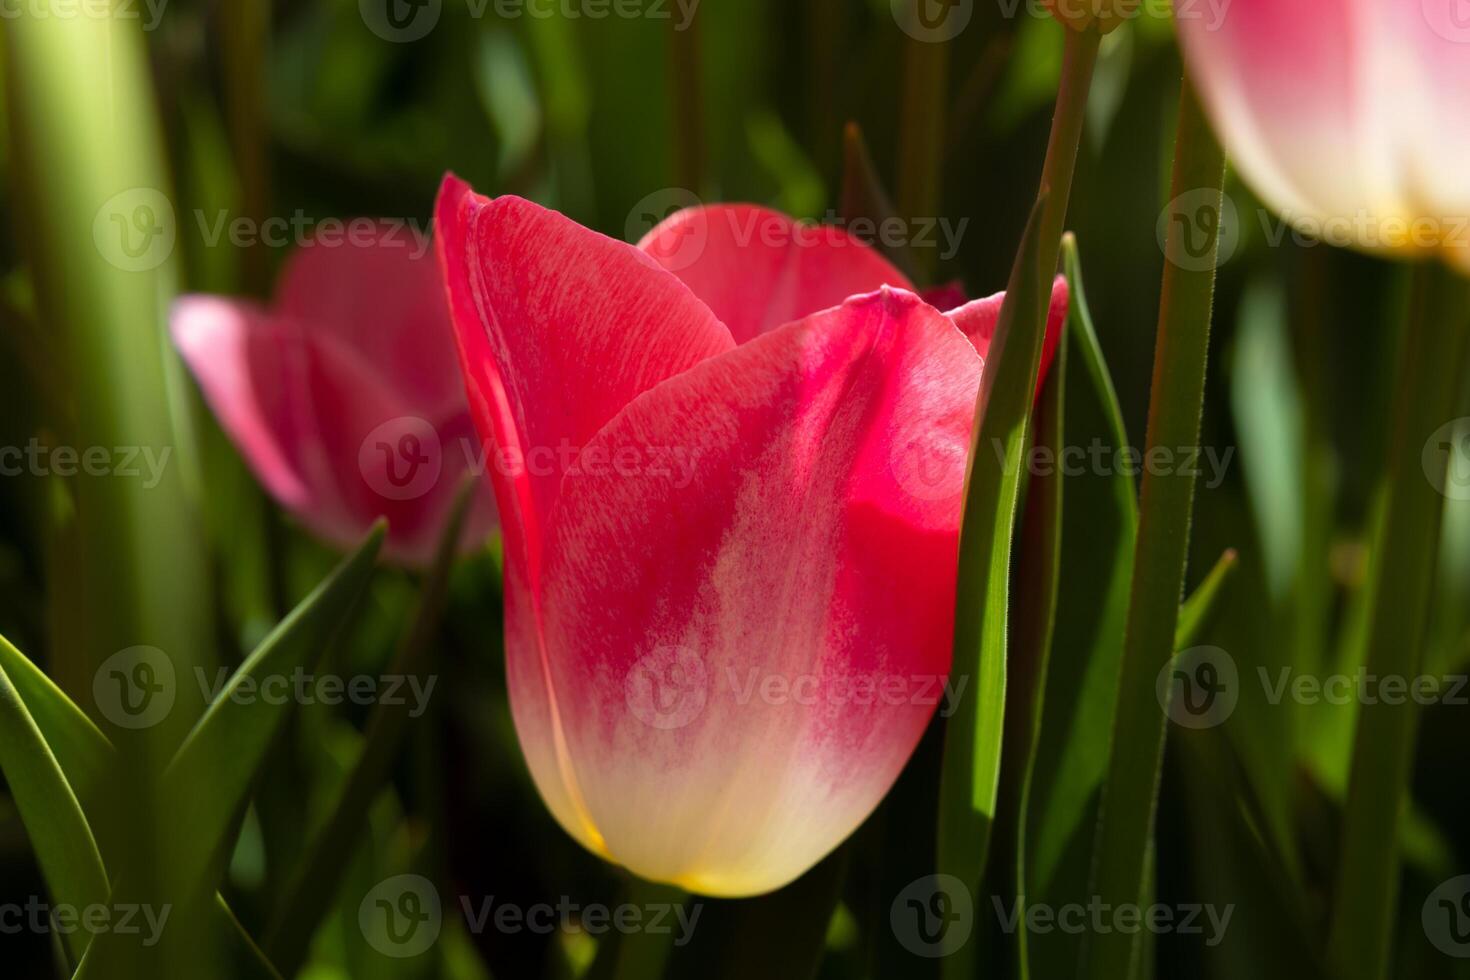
<point x="1079" y="58"/>
<point x="644" y="954"/>
<point x="245" y="31"/>
<point x="969" y="781"/>
<point x="921" y="136"/>
<point x="1404" y="555"/>
<point x="688" y="97"/>
<point x="1129" y="795"/>
<point x="98" y="225"/>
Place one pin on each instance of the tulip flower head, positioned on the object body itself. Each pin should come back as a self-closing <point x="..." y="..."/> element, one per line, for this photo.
<point x="344" y="397"/>
<point x="1350" y="118"/>
<point x="729" y="604"/>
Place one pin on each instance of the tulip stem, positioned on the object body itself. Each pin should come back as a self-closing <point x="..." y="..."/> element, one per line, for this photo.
<point x="921" y="136"/>
<point x="1430" y="373"/>
<point x="969" y="781"/>
<point x="1079" y="58"/>
<point x="1160" y="553"/>
<point x="644" y="954"/>
<point x="688" y="96"/>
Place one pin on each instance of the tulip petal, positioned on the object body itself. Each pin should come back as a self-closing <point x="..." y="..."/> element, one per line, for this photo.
<point x="977" y="320"/>
<point x="786" y="513"/>
<point x="559" y="328"/>
<point x="1430" y="61"/>
<point x="376" y="291"/>
<point x="228" y="346"/>
<point x="303" y="409"/>
<point x="758" y="269"/>
<point x="1286" y="85"/>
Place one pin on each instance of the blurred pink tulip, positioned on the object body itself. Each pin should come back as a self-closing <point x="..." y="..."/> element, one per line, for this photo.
<point x="1351" y="118"/>
<point x="345" y="396"/>
<point x="729" y="612"/>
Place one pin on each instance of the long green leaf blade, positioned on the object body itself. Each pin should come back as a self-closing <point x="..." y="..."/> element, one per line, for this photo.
<point x="970" y="775"/>
<point x="58" y="830"/>
<point x="209" y="780"/>
<point x="80" y="748"/>
<point x="1137" y="748"/>
<point x="309" y="896"/>
<point x="1099" y="526"/>
<point x="1037" y="580"/>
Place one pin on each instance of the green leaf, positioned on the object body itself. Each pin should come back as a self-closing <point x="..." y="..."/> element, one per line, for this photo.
<point x="84" y="755"/>
<point x="1038" y="565"/>
<point x="308" y="897"/>
<point x="1137" y="745"/>
<point x="58" y="830"/>
<point x="973" y="738"/>
<point x="864" y="197"/>
<point x="81" y="750"/>
<point x="209" y="779"/>
<point x="1099" y="525"/>
<point x="1404" y="558"/>
<point x="1195" y="612"/>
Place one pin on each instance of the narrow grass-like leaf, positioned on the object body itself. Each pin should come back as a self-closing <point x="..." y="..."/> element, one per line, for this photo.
<point x="1271" y="929"/>
<point x="84" y="755"/>
<point x="1195" y="612"/>
<point x="1167" y="504"/>
<point x="58" y="830"/>
<point x="1099" y="525"/>
<point x="971" y="765"/>
<point x="209" y="780"/>
<point x="864" y="197"/>
<point x="970" y="775"/>
<point x="1404" y="558"/>
<point x="81" y="750"/>
<point x="1037" y="579"/>
<point x="308" y="898"/>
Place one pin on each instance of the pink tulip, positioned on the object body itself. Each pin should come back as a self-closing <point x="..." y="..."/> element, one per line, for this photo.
<point x="729" y="615"/>
<point x="345" y="397"/>
<point x="1351" y="118"/>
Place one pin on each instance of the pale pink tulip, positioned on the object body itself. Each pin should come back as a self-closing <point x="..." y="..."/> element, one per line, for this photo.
<point x="1350" y="118"/>
<point x="344" y="396"/>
